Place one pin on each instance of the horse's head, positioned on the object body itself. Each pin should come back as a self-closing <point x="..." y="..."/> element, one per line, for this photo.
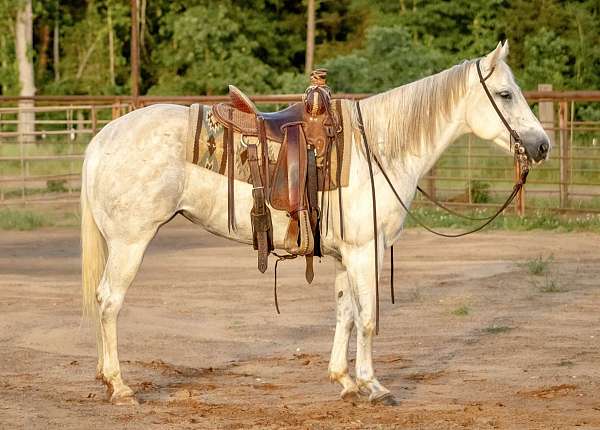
<point x="486" y="123"/>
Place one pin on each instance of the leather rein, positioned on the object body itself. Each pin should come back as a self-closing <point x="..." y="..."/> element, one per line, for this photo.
<point x="520" y="157"/>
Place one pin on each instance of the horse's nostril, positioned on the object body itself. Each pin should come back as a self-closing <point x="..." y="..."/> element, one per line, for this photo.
<point x="544" y="147"/>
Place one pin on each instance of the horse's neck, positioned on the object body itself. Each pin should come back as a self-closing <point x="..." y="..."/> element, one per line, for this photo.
<point x="449" y="130"/>
<point x="405" y="173"/>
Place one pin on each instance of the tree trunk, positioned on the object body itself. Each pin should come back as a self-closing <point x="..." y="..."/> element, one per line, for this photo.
<point x="111" y="47"/>
<point x="143" y="26"/>
<point x="135" y="52"/>
<point x="310" y="37"/>
<point x="56" y="52"/>
<point x="23" y="48"/>
<point x="43" y="51"/>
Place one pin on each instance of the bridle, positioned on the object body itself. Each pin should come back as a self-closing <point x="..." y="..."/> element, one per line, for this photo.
<point x="516" y="144"/>
<point x="520" y="158"/>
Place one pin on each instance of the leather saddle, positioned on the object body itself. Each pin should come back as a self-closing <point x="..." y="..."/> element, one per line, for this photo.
<point x="241" y="114"/>
<point x="306" y="131"/>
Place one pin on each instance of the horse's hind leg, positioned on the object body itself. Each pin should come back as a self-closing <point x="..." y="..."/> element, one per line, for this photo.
<point x="124" y="259"/>
<point x="338" y="364"/>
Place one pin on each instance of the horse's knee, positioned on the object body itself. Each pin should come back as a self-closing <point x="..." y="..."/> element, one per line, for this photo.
<point x="110" y="304"/>
<point x="366" y="323"/>
<point x="345" y="320"/>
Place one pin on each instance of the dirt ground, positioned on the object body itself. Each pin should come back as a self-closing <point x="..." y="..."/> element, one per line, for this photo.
<point x="474" y="340"/>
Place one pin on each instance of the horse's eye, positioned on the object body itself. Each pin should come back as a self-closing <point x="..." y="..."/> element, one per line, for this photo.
<point x="505" y="94"/>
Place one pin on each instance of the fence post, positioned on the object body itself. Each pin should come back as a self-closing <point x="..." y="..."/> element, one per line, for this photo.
<point x="431" y="183"/>
<point x="546" y="113"/>
<point x="469" y="175"/>
<point x="563" y="112"/>
<point x="72" y="138"/>
<point x="116" y="110"/>
<point x="94" y="121"/>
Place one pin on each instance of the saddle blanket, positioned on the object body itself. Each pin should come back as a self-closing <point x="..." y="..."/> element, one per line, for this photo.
<point x="204" y="145"/>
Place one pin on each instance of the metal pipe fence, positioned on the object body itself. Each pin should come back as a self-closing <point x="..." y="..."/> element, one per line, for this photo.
<point x="41" y="164"/>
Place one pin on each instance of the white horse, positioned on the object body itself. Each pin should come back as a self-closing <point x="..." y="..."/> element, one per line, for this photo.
<point x="135" y="179"/>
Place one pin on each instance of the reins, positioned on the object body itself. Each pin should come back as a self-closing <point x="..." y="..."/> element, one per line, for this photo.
<point x="520" y="158"/>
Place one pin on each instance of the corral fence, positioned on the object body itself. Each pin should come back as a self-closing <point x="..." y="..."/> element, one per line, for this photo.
<point x="43" y="139"/>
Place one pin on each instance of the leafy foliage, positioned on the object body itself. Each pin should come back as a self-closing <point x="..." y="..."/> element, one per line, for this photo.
<point x="199" y="46"/>
<point x="389" y="59"/>
<point x="480" y="192"/>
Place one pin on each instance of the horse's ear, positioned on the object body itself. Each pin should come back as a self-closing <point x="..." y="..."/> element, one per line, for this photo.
<point x="491" y="59"/>
<point x="504" y="52"/>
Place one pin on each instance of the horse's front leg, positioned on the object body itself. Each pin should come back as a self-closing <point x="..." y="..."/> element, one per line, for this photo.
<point x="338" y="364"/>
<point x="360" y="265"/>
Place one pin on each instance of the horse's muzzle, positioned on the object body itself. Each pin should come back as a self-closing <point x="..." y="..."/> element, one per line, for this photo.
<point x="538" y="148"/>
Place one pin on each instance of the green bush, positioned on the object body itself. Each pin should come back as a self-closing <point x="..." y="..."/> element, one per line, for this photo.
<point x="56" y="186"/>
<point x="480" y="192"/>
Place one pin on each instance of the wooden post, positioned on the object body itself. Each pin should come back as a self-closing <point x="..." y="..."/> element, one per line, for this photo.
<point x="135" y="53"/>
<point x="564" y="153"/>
<point x="73" y="137"/>
<point x="310" y="37"/>
<point x="546" y="112"/>
<point x="469" y="173"/>
<point x="23" y="174"/>
<point x="431" y="183"/>
<point x="94" y="121"/>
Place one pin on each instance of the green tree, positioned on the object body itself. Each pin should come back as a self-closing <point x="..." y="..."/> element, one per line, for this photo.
<point x="389" y="59"/>
<point x="9" y="81"/>
<point x="548" y="60"/>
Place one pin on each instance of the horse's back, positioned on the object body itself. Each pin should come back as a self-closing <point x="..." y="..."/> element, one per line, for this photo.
<point x="134" y="127"/>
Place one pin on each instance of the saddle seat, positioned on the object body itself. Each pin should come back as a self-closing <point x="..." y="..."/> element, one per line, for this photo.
<point x="241" y="113"/>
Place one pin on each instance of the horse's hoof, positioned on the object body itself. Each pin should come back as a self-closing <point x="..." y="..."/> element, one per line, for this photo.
<point x="129" y="400"/>
<point x="386" y="399"/>
<point x="350" y="395"/>
<point x="123" y="395"/>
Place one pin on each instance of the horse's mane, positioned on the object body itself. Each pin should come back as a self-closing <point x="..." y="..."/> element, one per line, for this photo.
<point x="406" y="119"/>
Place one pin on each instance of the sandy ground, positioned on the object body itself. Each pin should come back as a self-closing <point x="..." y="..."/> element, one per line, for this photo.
<point x="202" y="346"/>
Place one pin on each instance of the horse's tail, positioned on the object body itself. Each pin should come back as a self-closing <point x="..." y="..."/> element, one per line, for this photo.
<point x="93" y="255"/>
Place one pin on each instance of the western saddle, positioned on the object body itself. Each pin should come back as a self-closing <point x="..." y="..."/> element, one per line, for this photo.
<point x="306" y="131"/>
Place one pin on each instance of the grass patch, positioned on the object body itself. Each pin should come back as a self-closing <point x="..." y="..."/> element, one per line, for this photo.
<point x="461" y="311"/>
<point x="497" y="329"/>
<point x="538" y="220"/>
<point x="25" y="220"/>
<point x="22" y="220"/>
<point x="539" y="265"/>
